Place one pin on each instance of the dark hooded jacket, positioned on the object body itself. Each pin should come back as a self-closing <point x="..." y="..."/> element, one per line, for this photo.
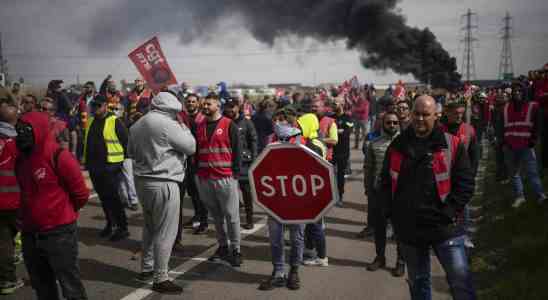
<point x="52" y="189"/>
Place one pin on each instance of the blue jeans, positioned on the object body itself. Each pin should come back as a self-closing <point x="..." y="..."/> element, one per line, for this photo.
<point x="315" y="238"/>
<point x="296" y="236"/>
<point x="452" y="256"/>
<point x="517" y="160"/>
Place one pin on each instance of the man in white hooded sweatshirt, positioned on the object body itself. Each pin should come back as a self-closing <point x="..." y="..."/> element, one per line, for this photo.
<point x="159" y="145"/>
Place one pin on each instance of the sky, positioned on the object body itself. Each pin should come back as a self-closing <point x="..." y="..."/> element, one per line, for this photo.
<point x="62" y="39"/>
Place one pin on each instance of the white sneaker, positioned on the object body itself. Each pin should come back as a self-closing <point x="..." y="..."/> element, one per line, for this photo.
<point x="518" y="202"/>
<point x="322" y="262"/>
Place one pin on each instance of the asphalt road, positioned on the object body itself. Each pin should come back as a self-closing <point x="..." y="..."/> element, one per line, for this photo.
<point x="108" y="270"/>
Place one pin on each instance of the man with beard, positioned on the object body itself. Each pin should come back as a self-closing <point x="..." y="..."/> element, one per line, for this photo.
<point x="113" y="96"/>
<point x="218" y="160"/>
<point x="191" y="117"/>
<point x="137" y="102"/>
<point x="519" y="133"/>
<point x="341" y="151"/>
<point x="454" y="124"/>
<point x="376" y="151"/>
<point x="248" y="146"/>
<point x="426" y="178"/>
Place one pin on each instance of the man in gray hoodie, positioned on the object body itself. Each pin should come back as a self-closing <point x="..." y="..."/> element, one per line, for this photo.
<point x="159" y="145"/>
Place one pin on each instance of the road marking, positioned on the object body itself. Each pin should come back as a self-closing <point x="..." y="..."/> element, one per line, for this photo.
<point x="144" y="292"/>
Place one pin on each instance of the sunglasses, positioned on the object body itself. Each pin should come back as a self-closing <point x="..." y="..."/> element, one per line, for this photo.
<point x="392" y="122"/>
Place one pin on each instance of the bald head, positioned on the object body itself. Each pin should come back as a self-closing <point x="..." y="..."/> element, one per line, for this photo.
<point x="424" y="116"/>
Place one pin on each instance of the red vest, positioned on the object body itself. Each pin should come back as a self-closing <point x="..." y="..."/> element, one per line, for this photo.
<point x="518" y="125"/>
<point x="441" y="165"/>
<point x="325" y="124"/>
<point x="466" y="133"/>
<point x="215" y="154"/>
<point x="9" y="189"/>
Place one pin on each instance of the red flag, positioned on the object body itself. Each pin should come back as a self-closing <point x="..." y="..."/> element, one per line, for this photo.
<point x="152" y="64"/>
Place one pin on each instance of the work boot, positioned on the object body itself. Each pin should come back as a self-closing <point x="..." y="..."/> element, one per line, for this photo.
<point x="201" y="229"/>
<point x="145" y="277"/>
<point x="275" y="281"/>
<point x="293" y="281"/>
<point x="167" y="287"/>
<point x="236" y="259"/>
<point x="366" y="232"/>
<point x="220" y="254"/>
<point x="107" y="231"/>
<point x="119" y="235"/>
<point x="378" y="262"/>
<point x="399" y="270"/>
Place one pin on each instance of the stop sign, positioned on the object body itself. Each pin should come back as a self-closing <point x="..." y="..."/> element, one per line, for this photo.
<point x="292" y="183"/>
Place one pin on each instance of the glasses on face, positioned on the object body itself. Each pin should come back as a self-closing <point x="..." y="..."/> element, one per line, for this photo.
<point x="391" y="122"/>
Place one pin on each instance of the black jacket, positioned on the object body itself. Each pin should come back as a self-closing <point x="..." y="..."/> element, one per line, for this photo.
<point x="96" y="149"/>
<point x="418" y="215"/>
<point x="248" y="143"/>
<point x="344" y="126"/>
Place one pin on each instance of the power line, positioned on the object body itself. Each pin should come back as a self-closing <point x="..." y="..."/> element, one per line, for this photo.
<point x="506" y="67"/>
<point x="468" y="64"/>
<point x="179" y="57"/>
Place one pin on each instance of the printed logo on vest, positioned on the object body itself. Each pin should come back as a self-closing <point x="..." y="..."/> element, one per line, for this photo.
<point x="40" y="174"/>
<point x="219" y="131"/>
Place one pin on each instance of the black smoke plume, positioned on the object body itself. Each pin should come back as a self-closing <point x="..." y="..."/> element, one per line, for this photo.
<point x="374" y="27"/>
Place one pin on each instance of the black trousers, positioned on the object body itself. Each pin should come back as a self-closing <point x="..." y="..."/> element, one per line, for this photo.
<point x="8" y="230"/>
<point x="106" y="180"/>
<point x="246" y="197"/>
<point x="189" y="187"/>
<point x="501" y="169"/>
<point x="340" y="163"/>
<point x="381" y="223"/>
<point x="544" y="144"/>
<point x="51" y="256"/>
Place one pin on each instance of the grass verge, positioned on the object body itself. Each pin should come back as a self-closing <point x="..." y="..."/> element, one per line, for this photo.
<point x="510" y="260"/>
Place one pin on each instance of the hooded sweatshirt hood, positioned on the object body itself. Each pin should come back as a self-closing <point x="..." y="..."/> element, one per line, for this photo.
<point x="7" y="129"/>
<point x="166" y="102"/>
<point x="43" y="139"/>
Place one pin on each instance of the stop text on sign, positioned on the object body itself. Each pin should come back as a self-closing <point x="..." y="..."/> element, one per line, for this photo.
<point x="300" y="185"/>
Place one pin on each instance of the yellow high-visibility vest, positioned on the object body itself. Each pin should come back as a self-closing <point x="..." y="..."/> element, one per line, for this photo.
<point x="115" y="151"/>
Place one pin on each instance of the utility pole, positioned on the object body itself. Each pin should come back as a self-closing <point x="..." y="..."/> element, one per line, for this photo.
<point x="506" y="67"/>
<point x="468" y="65"/>
<point x="3" y="61"/>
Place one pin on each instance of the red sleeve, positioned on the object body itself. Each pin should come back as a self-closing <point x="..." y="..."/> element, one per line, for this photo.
<point x="72" y="179"/>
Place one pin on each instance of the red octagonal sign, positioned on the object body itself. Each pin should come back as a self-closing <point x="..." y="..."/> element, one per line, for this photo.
<point x="292" y="183"/>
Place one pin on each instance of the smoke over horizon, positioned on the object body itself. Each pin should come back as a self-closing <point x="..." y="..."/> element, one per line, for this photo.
<point x="373" y="27"/>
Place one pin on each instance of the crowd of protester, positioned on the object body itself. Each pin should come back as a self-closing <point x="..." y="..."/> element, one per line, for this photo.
<point x="146" y="149"/>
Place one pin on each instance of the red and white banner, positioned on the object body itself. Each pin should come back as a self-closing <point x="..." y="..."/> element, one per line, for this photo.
<point x="152" y="64"/>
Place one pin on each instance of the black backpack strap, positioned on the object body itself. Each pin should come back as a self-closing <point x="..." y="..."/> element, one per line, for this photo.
<point x="56" y="158"/>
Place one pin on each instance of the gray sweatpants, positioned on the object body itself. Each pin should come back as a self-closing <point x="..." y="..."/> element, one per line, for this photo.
<point x="160" y="202"/>
<point x="221" y="197"/>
